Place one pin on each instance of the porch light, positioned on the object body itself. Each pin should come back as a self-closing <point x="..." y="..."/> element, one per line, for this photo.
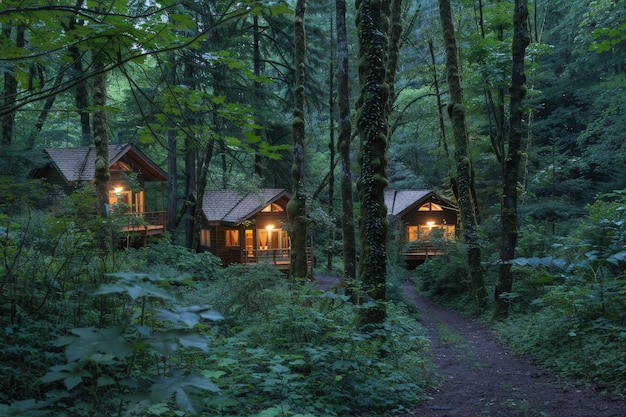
<point x="269" y="226"/>
<point x="118" y="190"/>
<point x="430" y="224"/>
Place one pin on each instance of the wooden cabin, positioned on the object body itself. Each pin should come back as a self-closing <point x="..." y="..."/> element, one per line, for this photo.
<point x="130" y="169"/>
<point x="247" y="227"/>
<point x="422" y="221"/>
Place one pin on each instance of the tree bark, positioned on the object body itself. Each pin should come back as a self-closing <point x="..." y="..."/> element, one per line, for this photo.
<point x="331" y="162"/>
<point x="10" y="84"/>
<point x="372" y="124"/>
<point x="296" y="208"/>
<point x="521" y="40"/>
<point x="100" y="139"/>
<point x="343" y="146"/>
<point x="462" y="157"/>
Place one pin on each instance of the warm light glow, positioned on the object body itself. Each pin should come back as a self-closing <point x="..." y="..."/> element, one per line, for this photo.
<point x="430" y="224"/>
<point x="118" y="190"/>
<point x="269" y="226"/>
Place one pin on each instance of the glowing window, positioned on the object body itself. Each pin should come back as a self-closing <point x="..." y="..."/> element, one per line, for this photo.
<point x="232" y="237"/>
<point x="431" y="207"/>
<point x="205" y="237"/>
<point x="272" y="208"/>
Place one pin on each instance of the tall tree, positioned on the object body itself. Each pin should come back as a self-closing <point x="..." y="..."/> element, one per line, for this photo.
<point x="464" y="170"/>
<point x="10" y="82"/>
<point x="101" y="140"/>
<point x="343" y="146"/>
<point x="372" y="112"/>
<point x="510" y="174"/>
<point x="296" y="207"/>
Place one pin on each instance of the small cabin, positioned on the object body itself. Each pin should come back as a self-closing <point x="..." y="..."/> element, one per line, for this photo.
<point x="246" y="227"/>
<point x="130" y="169"/>
<point x="422" y="221"/>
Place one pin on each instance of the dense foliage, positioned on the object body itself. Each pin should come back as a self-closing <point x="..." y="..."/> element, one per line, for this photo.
<point x="205" y="88"/>
<point x="82" y="335"/>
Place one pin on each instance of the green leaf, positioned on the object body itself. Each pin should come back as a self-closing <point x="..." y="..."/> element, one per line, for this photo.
<point x="177" y="384"/>
<point x="189" y="315"/>
<point x="135" y="286"/>
<point x="91" y="341"/>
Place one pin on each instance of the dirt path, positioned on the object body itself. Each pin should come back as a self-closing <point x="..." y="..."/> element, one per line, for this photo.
<point x="479" y="377"/>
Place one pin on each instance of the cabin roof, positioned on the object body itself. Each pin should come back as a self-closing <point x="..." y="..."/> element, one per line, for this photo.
<point x="78" y="164"/>
<point x="399" y="202"/>
<point x="233" y="207"/>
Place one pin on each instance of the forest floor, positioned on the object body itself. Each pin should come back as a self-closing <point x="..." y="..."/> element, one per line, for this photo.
<point x="477" y="376"/>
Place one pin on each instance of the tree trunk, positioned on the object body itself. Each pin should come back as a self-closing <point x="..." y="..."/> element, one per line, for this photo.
<point x="456" y="111"/>
<point x="10" y="85"/>
<point x="343" y="146"/>
<point x="521" y="40"/>
<point x="172" y="182"/>
<point x="296" y="208"/>
<point x="81" y="95"/>
<point x="372" y="124"/>
<point x="203" y="175"/>
<point x="100" y="139"/>
<point x="43" y="114"/>
<point x="172" y="162"/>
<point x="191" y="174"/>
<point x="442" y="125"/>
<point x="331" y="162"/>
<point x="395" y="39"/>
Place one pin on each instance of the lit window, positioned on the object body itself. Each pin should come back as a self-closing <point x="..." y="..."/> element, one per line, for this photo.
<point x="205" y="237"/>
<point x="232" y="237"/>
<point x="431" y="207"/>
<point x="411" y="233"/>
<point x="272" y="208"/>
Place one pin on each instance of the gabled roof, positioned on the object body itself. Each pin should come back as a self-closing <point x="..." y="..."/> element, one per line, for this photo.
<point x="399" y="202"/>
<point x="78" y="164"/>
<point x="234" y="207"/>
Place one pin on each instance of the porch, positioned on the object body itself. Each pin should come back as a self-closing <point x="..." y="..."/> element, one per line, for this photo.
<point x="149" y="223"/>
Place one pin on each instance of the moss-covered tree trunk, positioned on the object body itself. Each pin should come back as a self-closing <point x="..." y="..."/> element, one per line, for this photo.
<point x="521" y="40"/>
<point x="9" y="91"/>
<point x="456" y="111"/>
<point x="100" y="138"/>
<point x="296" y="208"/>
<point x="372" y="124"/>
<point x="343" y="146"/>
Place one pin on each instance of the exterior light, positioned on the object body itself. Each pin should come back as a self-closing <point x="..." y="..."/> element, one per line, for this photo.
<point x="269" y="226"/>
<point x="117" y="190"/>
<point x="430" y="224"/>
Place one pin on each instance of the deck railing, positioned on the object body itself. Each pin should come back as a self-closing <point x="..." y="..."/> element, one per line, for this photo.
<point x="146" y="220"/>
<point x="273" y="256"/>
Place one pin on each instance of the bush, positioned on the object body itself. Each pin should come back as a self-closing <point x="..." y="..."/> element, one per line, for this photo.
<point x="445" y="278"/>
<point x="288" y="348"/>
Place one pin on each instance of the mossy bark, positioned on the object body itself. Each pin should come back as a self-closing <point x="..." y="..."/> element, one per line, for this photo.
<point x="456" y="111"/>
<point x="372" y="124"/>
<point x="343" y="146"/>
<point x="296" y="208"/>
<point x="100" y="138"/>
<point x="521" y="40"/>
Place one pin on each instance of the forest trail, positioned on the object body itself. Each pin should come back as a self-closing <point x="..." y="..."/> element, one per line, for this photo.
<point x="477" y="376"/>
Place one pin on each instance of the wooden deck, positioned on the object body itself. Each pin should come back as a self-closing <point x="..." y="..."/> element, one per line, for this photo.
<point x="144" y="225"/>
<point x="418" y="255"/>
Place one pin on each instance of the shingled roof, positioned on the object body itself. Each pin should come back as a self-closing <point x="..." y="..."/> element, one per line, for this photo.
<point x="78" y="164"/>
<point x="399" y="202"/>
<point x="233" y="207"/>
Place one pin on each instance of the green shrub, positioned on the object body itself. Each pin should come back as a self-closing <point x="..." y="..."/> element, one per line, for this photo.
<point x="289" y="348"/>
<point x="445" y="278"/>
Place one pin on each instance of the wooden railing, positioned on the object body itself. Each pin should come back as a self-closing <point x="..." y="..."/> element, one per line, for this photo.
<point x="273" y="256"/>
<point x="147" y="221"/>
